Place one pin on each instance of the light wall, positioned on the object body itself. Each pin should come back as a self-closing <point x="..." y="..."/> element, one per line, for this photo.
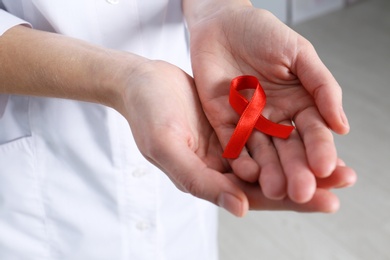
<point x="277" y="7"/>
<point x="295" y="11"/>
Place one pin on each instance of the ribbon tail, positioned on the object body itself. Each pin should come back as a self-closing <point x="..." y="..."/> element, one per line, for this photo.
<point x="273" y="129"/>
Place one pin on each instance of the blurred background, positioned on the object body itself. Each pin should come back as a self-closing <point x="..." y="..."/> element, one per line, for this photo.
<point x="353" y="40"/>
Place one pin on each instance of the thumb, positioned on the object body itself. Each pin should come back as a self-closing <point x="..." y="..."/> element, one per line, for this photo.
<point x="322" y="86"/>
<point x="190" y="174"/>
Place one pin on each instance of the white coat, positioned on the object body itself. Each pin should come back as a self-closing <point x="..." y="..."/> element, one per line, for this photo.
<point x="73" y="184"/>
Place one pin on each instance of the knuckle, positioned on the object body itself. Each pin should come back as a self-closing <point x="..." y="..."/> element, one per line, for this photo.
<point x="193" y="186"/>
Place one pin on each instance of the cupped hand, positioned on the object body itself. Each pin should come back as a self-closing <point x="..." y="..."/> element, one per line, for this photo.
<point x="162" y="107"/>
<point x="300" y="90"/>
<point x="171" y="130"/>
<point x="323" y="200"/>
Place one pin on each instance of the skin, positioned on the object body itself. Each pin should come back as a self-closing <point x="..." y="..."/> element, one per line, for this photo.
<point x="235" y="39"/>
<point x="159" y="98"/>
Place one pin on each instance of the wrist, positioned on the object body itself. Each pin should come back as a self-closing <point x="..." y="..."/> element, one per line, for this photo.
<point x="196" y="11"/>
<point x="116" y="73"/>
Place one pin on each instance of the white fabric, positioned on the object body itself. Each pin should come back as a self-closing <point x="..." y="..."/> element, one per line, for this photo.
<point x="73" y="184"/>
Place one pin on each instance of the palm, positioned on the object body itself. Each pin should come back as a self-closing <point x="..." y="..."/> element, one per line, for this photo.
<point x="165" y="103"/>
<point x="251" y="41"/>
<point x="217" y="60"/>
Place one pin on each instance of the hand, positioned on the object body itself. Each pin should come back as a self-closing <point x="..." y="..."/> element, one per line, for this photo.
<point x="171" y="130"/>
<point x="237" y="40"/>
<point x="322" y="201"/>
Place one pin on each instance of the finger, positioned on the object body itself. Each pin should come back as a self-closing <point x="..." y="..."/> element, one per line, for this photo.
<point x="322" y="200"/>
<point x="301" y="183"/>
<point x="318" y="140"/>
<point x="323" y="87"/>
<point x="190" y="174"/>
<point x="340" y="162"/>
<point x="244" y="166"/>
<point x="342" y="177"/>
<point x="272" y="179"/>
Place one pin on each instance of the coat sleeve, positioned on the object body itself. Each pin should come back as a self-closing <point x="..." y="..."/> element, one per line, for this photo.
<point x="7" y="21"/>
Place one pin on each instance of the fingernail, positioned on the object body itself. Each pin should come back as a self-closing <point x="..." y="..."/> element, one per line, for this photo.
<point x="231" y="203"/>
<point x="344" y="118"/>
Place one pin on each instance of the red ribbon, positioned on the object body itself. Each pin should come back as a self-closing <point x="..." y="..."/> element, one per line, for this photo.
<point x="250" y="116"/>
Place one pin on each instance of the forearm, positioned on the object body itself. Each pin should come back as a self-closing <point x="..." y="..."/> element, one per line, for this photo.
<point x="197" y="10"/>
<point x="46" y="64"/>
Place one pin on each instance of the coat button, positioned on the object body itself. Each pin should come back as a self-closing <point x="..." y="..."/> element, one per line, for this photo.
<point x="139" y="172"/>
<point x="113" y="2"/>
<point x="143" y="226"/>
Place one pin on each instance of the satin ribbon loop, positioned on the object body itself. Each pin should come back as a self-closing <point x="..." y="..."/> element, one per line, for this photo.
<point x="251" y="117"/>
